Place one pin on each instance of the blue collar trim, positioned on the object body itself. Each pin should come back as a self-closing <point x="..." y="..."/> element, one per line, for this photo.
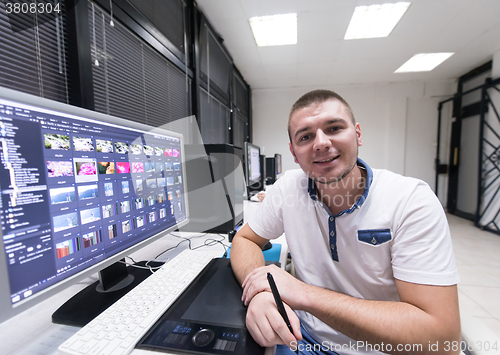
<point x="313" y="191"/>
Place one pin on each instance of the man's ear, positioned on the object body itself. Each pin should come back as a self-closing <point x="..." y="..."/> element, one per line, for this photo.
<point x="291" y="151"/>
<point x="359" y="137"/>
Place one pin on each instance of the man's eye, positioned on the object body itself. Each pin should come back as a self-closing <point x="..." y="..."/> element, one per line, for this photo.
<point x="304" y="138"/>
<point x="333" y="129"/>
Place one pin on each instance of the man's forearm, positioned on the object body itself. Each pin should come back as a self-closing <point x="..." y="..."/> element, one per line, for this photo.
<point x="402" y="327"/>
<point x="245" y="256"/>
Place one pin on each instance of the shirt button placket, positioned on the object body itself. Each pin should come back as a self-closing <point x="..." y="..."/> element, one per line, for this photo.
<point x="333" y="238"/>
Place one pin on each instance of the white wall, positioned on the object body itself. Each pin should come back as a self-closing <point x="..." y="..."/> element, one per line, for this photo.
<point x="398" y="123"/>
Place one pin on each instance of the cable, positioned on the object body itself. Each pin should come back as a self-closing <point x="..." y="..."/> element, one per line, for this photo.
<point x="148" y="267"/>
<point x="211" y="242"/>
<point x="167" y="250"/>
<point x="180" y="236"/>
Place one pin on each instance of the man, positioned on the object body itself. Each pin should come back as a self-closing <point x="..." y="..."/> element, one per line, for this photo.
<point x="375" y="271"/>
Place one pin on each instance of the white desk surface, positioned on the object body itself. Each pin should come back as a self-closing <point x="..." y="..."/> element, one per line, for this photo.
<point x="33" y="333"/>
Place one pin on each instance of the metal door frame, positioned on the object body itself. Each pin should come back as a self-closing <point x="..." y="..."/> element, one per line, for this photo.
<point x="485" y="160"/>
<point x="488" y="163"/>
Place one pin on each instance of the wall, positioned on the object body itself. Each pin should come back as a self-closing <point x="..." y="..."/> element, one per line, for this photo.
<point x="398" y="123"/>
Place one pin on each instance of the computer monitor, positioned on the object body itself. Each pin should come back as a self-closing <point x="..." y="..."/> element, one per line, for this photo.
<point x="79" y="191"/>
<point x="252" y="164"/>
<point x="277" y="163"/>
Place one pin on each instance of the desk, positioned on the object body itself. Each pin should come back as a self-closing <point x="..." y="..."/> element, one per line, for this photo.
<point x="32" y="331"/>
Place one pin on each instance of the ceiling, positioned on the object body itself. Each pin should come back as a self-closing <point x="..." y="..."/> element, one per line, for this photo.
<point x="469" y="28"/>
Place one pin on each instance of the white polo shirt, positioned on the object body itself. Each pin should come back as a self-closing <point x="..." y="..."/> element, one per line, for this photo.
<point x="396" y="229"/>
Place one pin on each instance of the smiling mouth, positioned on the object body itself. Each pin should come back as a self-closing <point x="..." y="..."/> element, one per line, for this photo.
<point x="325" y="160"/>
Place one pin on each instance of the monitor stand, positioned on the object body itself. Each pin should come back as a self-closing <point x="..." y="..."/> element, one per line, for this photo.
<point x="114" y="282"/>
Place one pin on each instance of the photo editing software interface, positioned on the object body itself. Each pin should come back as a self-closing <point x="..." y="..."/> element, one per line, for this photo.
<point x="75" y="191"/>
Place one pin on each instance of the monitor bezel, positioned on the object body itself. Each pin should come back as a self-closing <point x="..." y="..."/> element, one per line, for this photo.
<point x="9" y="310"/>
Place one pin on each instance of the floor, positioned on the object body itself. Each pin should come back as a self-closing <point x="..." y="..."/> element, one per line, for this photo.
<point x="477" y="255"/>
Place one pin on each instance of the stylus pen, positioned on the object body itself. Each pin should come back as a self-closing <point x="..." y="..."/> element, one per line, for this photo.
<point x="279" y="303"/>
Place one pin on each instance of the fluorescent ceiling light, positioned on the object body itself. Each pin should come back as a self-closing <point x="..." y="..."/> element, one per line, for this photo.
<point x="375" y="21"/>
<point x="276" y="30"/>
<point x="423" y="62"/>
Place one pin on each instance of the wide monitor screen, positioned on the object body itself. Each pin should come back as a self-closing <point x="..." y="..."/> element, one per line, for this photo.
<point x="77" y="190"/>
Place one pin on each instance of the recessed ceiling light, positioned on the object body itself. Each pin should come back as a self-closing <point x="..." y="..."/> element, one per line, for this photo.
<point x="275" y="30"/>
<point x="423" y="62"/>
<point x="375" y="21"/>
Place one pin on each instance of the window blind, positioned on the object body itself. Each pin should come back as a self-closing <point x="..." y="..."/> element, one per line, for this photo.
<point x="239" y="129"/>
<point x="214" y="119"/>
<point x="167" y="16"/>
<point x="215" y="65"/>
<point x="240" y="96"/>
<point x="33" y="54"/>
<point x="131" y="79"/>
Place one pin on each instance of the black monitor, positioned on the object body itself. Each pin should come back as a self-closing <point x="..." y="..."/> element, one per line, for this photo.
<point x="252" y="164"/>
<point x="79" y="191"/>
<point x="273" y="168"/>
<point x="277" y="163"/>
<point x="263" y="171"/>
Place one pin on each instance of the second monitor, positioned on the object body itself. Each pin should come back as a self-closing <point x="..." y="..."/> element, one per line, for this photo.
<point x="273" y="168"/>
<point x="253" y="171"/>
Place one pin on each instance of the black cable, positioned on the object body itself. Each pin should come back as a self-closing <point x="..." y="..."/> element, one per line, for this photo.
<point x="175" y="246"/>
<point x="211" y="242"/>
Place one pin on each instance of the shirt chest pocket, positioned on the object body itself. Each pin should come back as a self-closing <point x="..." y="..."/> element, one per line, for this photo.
<point x="374" y="236"/>
<point x="375" y="250"/>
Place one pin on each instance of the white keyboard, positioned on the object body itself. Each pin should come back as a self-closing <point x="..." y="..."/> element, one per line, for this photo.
<point x="116" y="330"/>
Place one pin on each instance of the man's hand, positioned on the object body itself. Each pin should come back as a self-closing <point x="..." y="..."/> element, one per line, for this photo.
<point x="266" y="325"/>
<point x="288" y="286"/>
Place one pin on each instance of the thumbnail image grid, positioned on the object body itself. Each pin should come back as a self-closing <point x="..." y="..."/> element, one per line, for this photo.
<point x="124" y="206"/>
<point x="121" y="148"/>
<point x="56" y="141"/>
<point x="65" y="221"/>
<point x="109" y="210"/>
<point x="123" y="167"/>
<point x="90" y="215"/>
<point x="59" y="168"/>
<point x="108" y="189"/>
<point x="152" y="216"/>
<point x="91" y="238"/>
<point x="158" y="151"/>
<point x="85" y="169"/>
<point x="86" y="192"/>
<point x="126" y="226"/>
<point x="112" y="232"/>
<point x="137" y="167"/>
<point x="104" y="146"/>
<point x="139" y="221"/>
<point x="106" y="167"/>
<point x="62" y="195"/>
<point x="135" y="148"/>
<point x="83" y="144"/>
<point x="125" y="187"/>
<point x="148" y="150"/>
<point x="68" y="247"/>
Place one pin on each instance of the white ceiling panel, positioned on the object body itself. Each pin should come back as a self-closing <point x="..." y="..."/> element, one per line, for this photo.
<point x="470" y="28"/>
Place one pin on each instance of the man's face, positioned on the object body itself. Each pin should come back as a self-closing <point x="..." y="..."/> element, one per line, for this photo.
<point x="324" y="140"/>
